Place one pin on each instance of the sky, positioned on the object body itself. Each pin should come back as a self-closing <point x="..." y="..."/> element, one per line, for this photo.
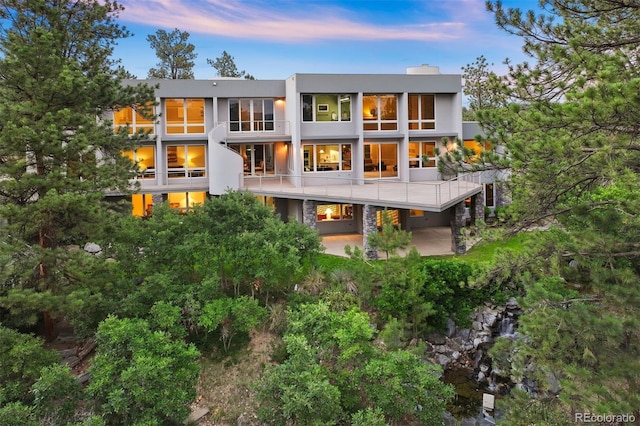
<point x="274" y="39"/>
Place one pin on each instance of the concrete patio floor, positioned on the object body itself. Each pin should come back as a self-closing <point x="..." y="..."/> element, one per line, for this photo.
<point x="428" y="241"/>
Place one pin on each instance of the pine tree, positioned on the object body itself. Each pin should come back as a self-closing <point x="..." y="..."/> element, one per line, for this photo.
<point x="176" y="55"/>
<point x="573" y="143"/>
<point x="58" y="156"/>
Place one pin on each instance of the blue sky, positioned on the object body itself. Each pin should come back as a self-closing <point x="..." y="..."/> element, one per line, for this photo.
<point x="273" y="39"/>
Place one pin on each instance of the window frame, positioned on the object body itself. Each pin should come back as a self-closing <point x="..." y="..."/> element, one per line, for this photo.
<point x="372" y="119"/>
<point x="312" y="107"/>
<point x="147" y="125"/>
<point x="422" y="122"/>
<point x="186" y="116"/>
<point x="312" y="163"/>
<point x="185" y="171"/>
<point x="344" y="212"/>
<point x="149" y="171"/>
<point x="252" y="107"/>
<point x="431" y="161"/>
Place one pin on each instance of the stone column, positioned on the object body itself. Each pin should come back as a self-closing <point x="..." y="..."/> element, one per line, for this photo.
<point x="477" y="207"/>
<point x="157" y="199"/>
<point x="458" y="245"/>
<point x="369" y="225"/>
<point x="310" y="213"/>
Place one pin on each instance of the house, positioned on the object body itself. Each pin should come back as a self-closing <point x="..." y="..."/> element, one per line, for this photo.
<point x="331" y="150"/>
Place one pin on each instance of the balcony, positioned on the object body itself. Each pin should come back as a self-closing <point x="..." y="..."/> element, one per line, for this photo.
<point x="262" y="130"/>
<point x="433" y="196"/>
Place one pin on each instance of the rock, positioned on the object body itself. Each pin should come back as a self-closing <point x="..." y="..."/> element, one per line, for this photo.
<point x="512" y="303"/>
<point x="451" y="327"/>
<point x="484" y="368"/>
<point x="66" y="353"/>
<point x="443" y="360"/>
<point x="481" y="377"/>
<point x="196" y="414"/>
<point x="442" y="349"/>
<point x="490" y="319"/>
<point x="456" y="355"/>
<point x="92" y="248"/>
<point x="476" y="325"/>
<point x="477" y="342"/>
<point x="464" y="334"/>
<point x="436" y="339"/>
<point x="243" y="420"/>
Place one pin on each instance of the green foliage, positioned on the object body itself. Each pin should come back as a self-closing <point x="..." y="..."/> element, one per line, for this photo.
<point x="369" y="417"/>
<point x="57" y="394"/>
<point x="175" y="52"/>
<point x="22" y="358"/>
<point x="167" y="317"/>
<point x="17" y="414"/>
<point x="141" y="376"/>
<point x="390" y="239"/>
<point x="231" y="316"/>
<point x="333" y="352"/>
<point x="521" y="410"/>
<point x="53" y="88"/>
<point x="225" y="66"/>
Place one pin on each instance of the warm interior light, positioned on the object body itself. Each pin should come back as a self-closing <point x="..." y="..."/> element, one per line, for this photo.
<point x="322" y="151"/>
<point x="328" y="213"/>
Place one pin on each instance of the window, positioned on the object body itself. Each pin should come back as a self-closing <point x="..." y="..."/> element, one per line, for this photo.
<point x="380" y="112"/>
<point x="422" y="154"/>
<point x="334" y="212"/>
<point x="184" y="201"/>
<point x="142" y="204"/>
<point x="251" y="115"/>
<point x="184" y="116"/>
<point x="393" y="216"/>
<point x="186" y="161"/>
<point x="324" y="158"/>
<point x="133" y="117"/>
<point x="488" y="195"/>
<point x="326" y="107"/>
<point x="474" y="149"/>
<point x="145" y="159"/>
<point x="422" y="114"/>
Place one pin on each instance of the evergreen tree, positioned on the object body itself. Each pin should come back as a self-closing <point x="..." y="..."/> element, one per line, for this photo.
<point x="225" y="66"/>
<point x="58" y="156"/>
<point x="571" y="134"/>
<point x="176" y="55"/>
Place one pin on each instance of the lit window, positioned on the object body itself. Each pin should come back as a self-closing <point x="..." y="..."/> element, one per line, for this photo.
<point x="145" y="159"/>
<point x="474" y="148"/>
<point x="326" y="158"/>
<point x="186" y="161"/>
<point x="185" y="201"/>
<point x="326" y="212"/>
<point x="380" y="112"/>
<point x="422" y="154"/>
<point x="137" y="119"/>
<point x="142" y="205"/>
<point x="422" y="115"/>
<point x="326" y="107"/>
<point x="184" y="116"/>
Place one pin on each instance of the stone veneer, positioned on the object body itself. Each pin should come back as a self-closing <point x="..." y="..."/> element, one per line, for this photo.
<point x="458" y="245"/>
<point x="310" y="213"/>
<point x="369" y="226"/>
<point x="477" y="207"/>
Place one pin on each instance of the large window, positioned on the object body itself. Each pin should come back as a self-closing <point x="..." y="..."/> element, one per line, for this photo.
<point x="142" y="204"/>
<point x="422" y="114"/>
<point x="326" y="107"/>
<point x="185" y="201"/>
<point x="380" y="160"/>
<point x="145" y="159"/>
<point x="380" y="112"/>
<point x="136" y="118"/>
<point x="334" y="212"/>
<point x="186" y="161"/>
<point x="251" y="115"/>
<point x="184" y="116"/>
<point x="422" y="154"/>
<point x="324" y="158"/>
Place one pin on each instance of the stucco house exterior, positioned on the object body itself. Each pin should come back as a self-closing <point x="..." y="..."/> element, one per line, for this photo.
<point x="330" y="150"/>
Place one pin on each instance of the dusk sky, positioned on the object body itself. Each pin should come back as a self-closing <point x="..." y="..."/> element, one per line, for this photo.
<point x="274" y="39"/>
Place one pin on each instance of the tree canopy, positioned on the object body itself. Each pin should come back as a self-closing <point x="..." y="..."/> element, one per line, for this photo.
<point x="225" y="66"/>
<point x="175" y="53"/>
<point x="568" y="131"/>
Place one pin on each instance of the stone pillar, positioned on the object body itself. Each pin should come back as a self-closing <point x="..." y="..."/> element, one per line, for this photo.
<point x="369" y="226"/>
<point x="477" y="207"/>
<point x="458" y="245"/>
<point x="310" y="213"/>
<point x="157" y="199"/>
<point x="501" y="197"/>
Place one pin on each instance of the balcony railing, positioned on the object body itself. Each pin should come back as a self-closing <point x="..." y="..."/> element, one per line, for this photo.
<point x="433" y="194"/>
<point x="257" y="129"/>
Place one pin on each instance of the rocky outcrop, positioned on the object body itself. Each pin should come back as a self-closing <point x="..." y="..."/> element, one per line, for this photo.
<point x="466" y="348"/>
